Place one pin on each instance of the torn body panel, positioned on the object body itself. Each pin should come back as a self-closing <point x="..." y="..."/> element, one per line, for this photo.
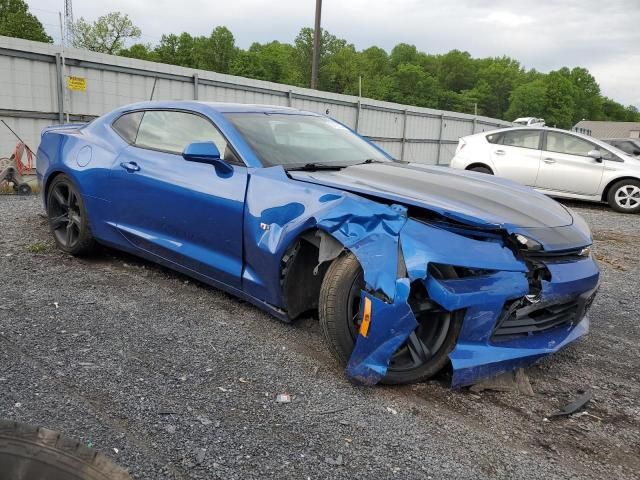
<point x="394" y="251"/>
<point x="394" y="323"/>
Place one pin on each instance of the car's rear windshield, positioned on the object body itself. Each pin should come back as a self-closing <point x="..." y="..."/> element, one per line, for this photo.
<point x="296" y="140"/>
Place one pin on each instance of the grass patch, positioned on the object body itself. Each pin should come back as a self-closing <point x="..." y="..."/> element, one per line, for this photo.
<point x="38" y="247"/>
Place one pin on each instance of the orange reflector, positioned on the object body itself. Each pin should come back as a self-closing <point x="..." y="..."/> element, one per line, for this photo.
<point x="366" y="317"/>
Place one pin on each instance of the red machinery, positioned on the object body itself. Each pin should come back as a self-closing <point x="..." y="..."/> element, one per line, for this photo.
<point x="12" y="169"/>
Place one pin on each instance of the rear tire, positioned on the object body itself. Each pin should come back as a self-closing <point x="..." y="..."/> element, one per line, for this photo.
<point x="28" y="453"/>
<point x="68" y="219"/>
<point x="624" y="196"/>
<point x="340" y="333"/>
<point x="479" y="169"/>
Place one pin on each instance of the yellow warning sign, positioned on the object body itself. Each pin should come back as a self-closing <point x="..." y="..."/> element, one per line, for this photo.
<point x="77" y="83"/>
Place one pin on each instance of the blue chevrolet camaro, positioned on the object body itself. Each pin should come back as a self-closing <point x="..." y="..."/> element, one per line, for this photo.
<point x="410" y="267"/>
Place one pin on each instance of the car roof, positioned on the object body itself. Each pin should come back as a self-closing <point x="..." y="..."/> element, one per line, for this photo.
<point x="218" y="107"/>
<point x="533" y="127"/>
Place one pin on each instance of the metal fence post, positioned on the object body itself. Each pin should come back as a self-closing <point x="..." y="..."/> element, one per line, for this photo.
<point x="359" y="108"/>
<point x="60" y="88"/>
<point x="404" y="134"/>
<point x="440" y="138"/>
<point x="290" y="98"/>
<point x="195" y="86"/>
<point x="475" y="124"/>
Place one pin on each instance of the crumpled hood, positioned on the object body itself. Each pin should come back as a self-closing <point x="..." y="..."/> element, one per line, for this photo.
<point x="472" y="198"/>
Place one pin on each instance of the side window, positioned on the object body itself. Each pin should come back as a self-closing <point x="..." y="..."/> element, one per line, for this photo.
<point x="627" y="147"/>
<point x="494" y="138"/>
<point x="171" y="131"/>
<point x="127" y="126"/>
<point x="521" y="138"/>
<point x="563" y="143"/>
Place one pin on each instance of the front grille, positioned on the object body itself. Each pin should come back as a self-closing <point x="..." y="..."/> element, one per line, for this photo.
<point x="520" y="321"/>
<point x="554" y="257"/>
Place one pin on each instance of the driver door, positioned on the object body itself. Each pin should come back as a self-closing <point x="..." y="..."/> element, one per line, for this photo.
<point x="181" y="211"/>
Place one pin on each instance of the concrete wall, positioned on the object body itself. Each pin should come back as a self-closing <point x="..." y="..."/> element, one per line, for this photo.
<point x="33" y="94"/>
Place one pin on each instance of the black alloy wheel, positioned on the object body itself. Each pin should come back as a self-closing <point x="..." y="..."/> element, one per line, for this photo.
<point x="67" y="217"/>
<point x="426" y="350"/>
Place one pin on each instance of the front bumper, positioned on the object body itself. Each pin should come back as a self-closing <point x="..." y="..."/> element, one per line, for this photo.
<point x="475" y="360"/>
<point x="479" y="353"/>
<point x="485" y="298"/>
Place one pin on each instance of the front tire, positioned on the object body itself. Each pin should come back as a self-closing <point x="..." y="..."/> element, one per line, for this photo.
<point x="68" y="220"/>
<point x="421" y="357"/>
<point x="624" y="196"/>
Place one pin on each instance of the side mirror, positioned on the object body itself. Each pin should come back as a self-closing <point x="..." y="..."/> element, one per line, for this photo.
<point x="636" y="152"/>
<point x="206" y="152"/>
<point x="596" y="155"/>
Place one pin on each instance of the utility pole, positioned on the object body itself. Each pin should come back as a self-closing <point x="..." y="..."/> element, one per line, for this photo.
<point x="315" y="62"/>
<point x="68" y="23"/>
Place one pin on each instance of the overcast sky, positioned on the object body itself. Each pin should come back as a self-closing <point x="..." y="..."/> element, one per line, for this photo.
<point x="601" y="35"/>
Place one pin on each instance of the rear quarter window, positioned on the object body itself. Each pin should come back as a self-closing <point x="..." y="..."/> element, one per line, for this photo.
<point x="127" y="126"/>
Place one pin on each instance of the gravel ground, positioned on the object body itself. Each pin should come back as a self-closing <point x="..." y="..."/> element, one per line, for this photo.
<point x="174" y="379"/>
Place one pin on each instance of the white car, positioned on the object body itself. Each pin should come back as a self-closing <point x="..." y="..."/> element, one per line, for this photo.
<point x="555" y="162"/>
<point x="530" y="121"/>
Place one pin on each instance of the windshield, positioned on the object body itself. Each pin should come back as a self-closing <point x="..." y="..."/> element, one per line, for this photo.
<point x="297" y="140"/>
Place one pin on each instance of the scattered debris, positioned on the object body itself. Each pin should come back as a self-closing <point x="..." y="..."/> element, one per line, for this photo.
<point x="517" y="381"/>
<point x="56" y="304"/>
<point x="200" y="455"/>
<point x="392" y="411"/>
<point x="225" y="390"/>
<point x="575" y="406"/>
<point x="170" y="429"/>
<point x="283" y="398"/>
<point x="17" y="405"/>
<point x="204" y="420"/>
<point x="243" y="380"/>
<point x="337" y="461"/>
<point x="587" y="414"/>
<point x="115" y="450"/>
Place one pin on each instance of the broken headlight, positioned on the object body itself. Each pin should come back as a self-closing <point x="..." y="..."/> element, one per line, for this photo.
<point x="527" y="243"/>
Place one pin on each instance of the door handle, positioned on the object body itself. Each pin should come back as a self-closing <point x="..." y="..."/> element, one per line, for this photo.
<point x="130" y="166"/>
<point x="549" y="160"/>
<point x="499" y="152"/>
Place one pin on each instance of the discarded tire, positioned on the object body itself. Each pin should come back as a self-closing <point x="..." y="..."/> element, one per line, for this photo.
<point x="28" y="453"/>
<point x="23" y="189"/>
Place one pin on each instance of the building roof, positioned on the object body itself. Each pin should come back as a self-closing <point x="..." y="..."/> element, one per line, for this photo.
<point x="599" y="129"/>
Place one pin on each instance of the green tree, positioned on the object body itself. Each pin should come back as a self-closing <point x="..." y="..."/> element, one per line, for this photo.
<point x="329" y="45"/>
<point x="140" y="51"/>
<point x="272" y="61"/>
<point x="375" y="70"/>
<point x="560" y="104"/>
<point x="16" y="21"/>
<point x="215" y="52"/>
<point x="341" y="70"/>
<point x="403" y="54"/>
<point x="107" y="34"/>
<point x="413" y="86"/>
<point x="497" y="78"/>
<point x="176" y="50"/>
<point x="457" y="71"/>
<point x="528" y="100"/>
